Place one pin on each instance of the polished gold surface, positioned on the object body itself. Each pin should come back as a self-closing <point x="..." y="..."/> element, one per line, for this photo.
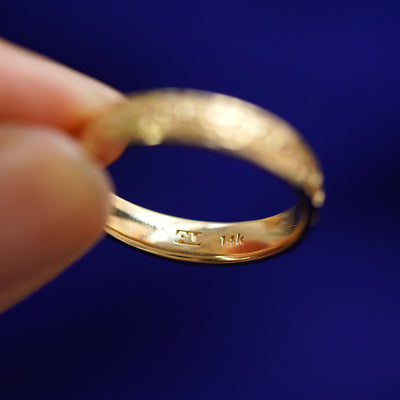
<point x="224" y="124"/>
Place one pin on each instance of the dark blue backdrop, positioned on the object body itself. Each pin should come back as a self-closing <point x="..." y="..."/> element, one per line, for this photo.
<point x="320" y="322"/>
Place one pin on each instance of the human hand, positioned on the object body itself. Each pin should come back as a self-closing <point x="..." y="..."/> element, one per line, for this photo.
<point x="54" y="199"/>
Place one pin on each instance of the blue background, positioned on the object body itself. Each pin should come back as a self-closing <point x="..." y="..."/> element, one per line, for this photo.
<point x="319" y="322"/>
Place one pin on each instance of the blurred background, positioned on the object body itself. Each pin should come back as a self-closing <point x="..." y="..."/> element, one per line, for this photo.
<point x="319" y="322"/>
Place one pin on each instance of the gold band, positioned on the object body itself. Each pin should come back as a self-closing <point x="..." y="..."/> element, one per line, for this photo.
<point x="221" y="123"/>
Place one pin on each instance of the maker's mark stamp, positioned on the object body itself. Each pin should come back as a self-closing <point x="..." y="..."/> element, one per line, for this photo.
<point x="189" y="238"/>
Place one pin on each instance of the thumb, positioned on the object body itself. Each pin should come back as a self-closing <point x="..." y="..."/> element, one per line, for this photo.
<point x="53" y="206"/>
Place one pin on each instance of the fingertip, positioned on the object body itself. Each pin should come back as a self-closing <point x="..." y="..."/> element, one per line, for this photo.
<point x="53" y="207"/>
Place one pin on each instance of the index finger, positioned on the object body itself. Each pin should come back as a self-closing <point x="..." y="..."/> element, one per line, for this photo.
<point x="35" y="89"/>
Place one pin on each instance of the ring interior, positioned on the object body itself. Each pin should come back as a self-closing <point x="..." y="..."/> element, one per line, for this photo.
<point x="206" y="242"/>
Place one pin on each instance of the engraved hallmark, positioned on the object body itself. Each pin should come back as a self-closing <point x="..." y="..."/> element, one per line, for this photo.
<point x="188" y="238"/>
<point x="231" y="240"/>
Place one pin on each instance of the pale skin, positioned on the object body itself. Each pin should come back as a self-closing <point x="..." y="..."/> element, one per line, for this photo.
<point x="54" y="197"/>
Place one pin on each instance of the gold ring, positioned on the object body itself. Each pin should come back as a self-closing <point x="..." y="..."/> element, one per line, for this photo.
<point x="224" y="124"/>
